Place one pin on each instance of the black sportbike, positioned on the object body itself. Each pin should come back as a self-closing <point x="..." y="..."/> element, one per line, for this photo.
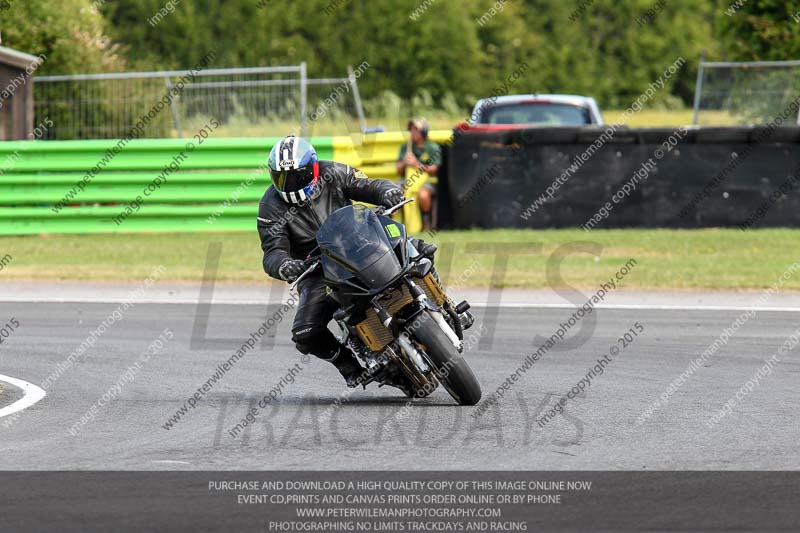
<point x="393" y="311"/>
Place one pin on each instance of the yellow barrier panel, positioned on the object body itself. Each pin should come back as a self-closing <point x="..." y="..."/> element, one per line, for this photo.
<point x="376" y="153"/>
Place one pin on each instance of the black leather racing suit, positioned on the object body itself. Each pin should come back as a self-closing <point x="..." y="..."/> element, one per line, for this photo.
<point x="288" y="231"/>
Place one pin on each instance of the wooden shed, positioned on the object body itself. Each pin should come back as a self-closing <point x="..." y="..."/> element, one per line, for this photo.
<point x="16" y="93"/>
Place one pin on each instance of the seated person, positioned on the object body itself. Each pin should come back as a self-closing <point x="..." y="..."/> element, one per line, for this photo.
<point x="425" y="156"/>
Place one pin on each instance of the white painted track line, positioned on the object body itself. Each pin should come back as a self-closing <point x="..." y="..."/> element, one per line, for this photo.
<point x="503" y="305"/>
<point x="32" y="394"/>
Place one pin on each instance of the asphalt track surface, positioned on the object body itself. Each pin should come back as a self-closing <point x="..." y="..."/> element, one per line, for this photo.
<point x="597" y="431"/>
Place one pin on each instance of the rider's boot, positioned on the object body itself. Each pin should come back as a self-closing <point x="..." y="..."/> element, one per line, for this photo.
<point x="425" y="249"/>
<point x="348" y="366"/>
<point x="428" y="250"/>
<point x="322" y="343"/>
<point x="466" y="320"/>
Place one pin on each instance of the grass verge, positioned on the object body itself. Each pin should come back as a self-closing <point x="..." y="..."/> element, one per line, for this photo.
<point x="240" y="127"/>
<point x="665" y="259"/>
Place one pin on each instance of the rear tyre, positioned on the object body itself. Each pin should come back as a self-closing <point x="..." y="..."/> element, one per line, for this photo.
<point x="449" y="366"/>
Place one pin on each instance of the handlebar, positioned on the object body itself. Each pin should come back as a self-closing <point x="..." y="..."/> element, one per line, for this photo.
<point x="312" y="255"/>
<point x="313" y="263"/>
<point x="388" y="211"/>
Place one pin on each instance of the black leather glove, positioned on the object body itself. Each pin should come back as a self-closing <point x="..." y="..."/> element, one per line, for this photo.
<point x="392" y="197"/>
<point x="291" y="269"/>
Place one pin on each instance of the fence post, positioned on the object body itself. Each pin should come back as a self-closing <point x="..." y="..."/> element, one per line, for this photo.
<point x="351" y="75"/>
<point x="176" y="119"/>
<point x="698" y="88"/>
<point x="303" y="99"/>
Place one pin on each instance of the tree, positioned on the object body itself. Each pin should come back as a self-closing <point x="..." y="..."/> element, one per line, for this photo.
<point x="454" y="51"/>
<point x="760" y="30"/>
<point x="70" y="37"/>
<point x="69" y="33"/>
<point x="604" y="52"/>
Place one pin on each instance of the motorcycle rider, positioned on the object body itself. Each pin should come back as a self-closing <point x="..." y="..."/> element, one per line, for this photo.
<point x="303" y="193"/>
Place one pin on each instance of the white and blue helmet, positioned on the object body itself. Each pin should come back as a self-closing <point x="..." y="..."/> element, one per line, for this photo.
<point x="294" y="168"/>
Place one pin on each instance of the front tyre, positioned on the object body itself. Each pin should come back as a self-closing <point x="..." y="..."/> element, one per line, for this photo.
<point x="449" y="366"/>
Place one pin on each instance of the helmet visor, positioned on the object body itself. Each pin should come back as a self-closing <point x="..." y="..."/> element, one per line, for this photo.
<point x="292" y="180"/>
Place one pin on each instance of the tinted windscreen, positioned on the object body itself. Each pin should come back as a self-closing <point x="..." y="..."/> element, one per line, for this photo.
<point x="532" y="113"/>
<point x="354" y="234"/>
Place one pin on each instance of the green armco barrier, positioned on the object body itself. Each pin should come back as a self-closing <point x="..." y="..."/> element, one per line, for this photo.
<point x="181" y="188"/>
<point x="209" y="191"/>
<point x="98" y="219"/>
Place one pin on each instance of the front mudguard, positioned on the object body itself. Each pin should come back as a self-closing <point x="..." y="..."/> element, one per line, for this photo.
<point x="410" y="313"/>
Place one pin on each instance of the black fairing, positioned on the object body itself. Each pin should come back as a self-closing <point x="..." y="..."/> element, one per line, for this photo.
<point x="361" y="252"/>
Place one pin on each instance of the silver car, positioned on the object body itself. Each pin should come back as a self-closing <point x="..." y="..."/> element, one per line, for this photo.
<point x="536" y="110"/>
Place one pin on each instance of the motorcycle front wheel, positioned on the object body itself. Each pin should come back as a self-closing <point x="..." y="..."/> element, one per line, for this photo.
<point x="450" y="367"/>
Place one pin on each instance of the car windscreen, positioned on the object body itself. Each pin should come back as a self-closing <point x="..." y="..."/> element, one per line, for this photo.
<point x="354" y="235"/>
<point x="545" y="113"/>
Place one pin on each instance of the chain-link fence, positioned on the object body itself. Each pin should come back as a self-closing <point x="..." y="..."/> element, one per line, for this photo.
<point x="259" y="101"/>
<point x="745" y="93"/>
